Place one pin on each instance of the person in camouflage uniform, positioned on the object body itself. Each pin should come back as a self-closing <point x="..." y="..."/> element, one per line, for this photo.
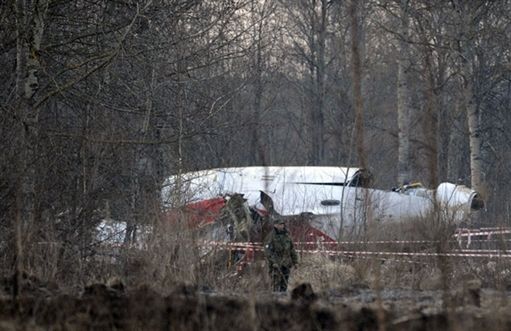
<point x="280" y="254"/>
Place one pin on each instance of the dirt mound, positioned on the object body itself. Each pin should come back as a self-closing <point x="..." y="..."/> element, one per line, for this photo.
<point x="102" y="307"/>
<point x="186" y="307"/>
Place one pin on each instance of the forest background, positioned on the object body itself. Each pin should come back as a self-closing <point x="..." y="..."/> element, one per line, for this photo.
<point x="102" y="100"/>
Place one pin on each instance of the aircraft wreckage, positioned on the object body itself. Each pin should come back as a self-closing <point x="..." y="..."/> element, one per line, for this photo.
<point x="318" y="202"/>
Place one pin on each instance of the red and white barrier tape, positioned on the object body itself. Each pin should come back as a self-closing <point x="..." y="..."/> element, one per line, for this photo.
<point x="489" y="251"/>
<point x="494" y="228"/>
<point x="482" y="233"/>
<point x="458" y="253"/>
<point x="417" y="254"/>
<point x="384" y="242"/>
<point x="329" y="243"/>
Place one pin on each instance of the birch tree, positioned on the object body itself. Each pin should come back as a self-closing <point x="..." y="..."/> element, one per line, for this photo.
<point x="467" y="24"/>
<point x="403" y="94"/>
<point x="30" y="28"/>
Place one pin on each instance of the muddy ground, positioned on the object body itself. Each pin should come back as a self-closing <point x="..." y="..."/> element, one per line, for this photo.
<point x="45" y="306"/>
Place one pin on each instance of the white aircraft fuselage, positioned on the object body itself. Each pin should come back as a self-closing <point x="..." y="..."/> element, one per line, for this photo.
<point x="334" y="198"/>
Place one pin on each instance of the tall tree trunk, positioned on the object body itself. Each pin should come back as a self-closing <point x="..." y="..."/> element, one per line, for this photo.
<point x="442" y="126"/>
<point x="30" y="19"/>
<point x="456" y="142"/>
<point x="317" y="68"/>
<point x="467" y="59"/>
<point x="319" y="125"/>
<point x="430" y="122"/>
<point x="357" y="85"/>
<point x="362" y="207"/>
<point x="313" y="157"/>
<point x="474" y="128"/>
<point x="256" y="149"/>
<point x="403" y="97"/>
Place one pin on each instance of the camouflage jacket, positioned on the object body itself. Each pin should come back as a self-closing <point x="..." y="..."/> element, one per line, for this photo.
<point x="279" y="249"/>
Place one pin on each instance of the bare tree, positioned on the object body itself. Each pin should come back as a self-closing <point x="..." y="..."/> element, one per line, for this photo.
<point x="467" y="21"/>
<point x="403" y="97"/>
<point x="263" y="21"/>
<point x="310" y="21"/>
<point x="357" y="85"/>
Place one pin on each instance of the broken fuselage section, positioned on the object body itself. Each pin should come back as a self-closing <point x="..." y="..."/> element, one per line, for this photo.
<point x="329" y="199"/>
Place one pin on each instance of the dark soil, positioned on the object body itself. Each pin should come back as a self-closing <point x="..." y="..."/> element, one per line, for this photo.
<point x="43" y="306"/>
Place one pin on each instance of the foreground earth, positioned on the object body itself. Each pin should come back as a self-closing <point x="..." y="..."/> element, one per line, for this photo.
<point x="114" y="307"/>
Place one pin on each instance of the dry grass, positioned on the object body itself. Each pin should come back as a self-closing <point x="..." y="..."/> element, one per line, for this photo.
<point x="323" y="273"/>
<point x="174" y="263"/>
<point x="173" y="255"/>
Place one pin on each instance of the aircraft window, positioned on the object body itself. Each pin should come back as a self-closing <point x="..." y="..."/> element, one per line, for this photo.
<point x="362" y="178"/>
<point x="330" y="202"/>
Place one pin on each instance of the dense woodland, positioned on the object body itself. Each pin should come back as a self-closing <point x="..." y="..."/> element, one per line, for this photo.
<point x="102" y="100"/>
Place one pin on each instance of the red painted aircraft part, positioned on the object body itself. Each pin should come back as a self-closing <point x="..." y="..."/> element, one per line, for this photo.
<point x="206" y="212"/>
<point x="198" y="214"/>
<point x="302" y="231"/>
